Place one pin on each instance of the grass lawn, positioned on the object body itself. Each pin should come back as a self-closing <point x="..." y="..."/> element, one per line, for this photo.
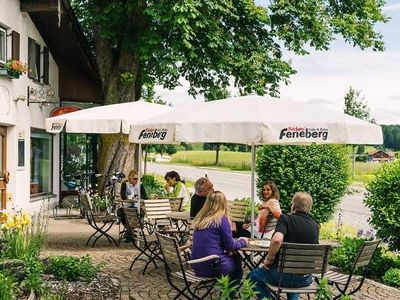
<point x="227" y="159"/>
<point x="364" y="172"/>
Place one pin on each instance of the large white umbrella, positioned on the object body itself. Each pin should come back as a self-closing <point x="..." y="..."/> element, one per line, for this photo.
<point x="255" y="120"/>
<point x="113" y="118"/>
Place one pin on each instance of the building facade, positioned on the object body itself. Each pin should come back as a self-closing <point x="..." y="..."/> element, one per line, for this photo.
<point x="46" y="36"/>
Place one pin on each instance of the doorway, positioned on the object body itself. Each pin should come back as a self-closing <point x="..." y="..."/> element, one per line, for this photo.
<point x="3" y="167"/>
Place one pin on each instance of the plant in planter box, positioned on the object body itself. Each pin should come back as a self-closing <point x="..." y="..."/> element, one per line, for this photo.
<point x="15" y="68"/>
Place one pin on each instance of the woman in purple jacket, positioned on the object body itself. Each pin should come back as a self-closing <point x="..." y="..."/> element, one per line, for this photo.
<point x="213" y="235"/>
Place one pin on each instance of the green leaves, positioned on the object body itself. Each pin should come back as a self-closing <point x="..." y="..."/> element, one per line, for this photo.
<point x="321" y="170"/>
<point x="383" y="199"/>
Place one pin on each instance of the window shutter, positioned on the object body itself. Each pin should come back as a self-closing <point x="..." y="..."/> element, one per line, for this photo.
<point x="38" y="62"/>
<point x="45" y="65"/>
<point x="15" y="45"/>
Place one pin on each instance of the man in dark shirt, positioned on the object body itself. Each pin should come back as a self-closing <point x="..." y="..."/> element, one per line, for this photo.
<point x="297" y="227"/>
<point x="202" y="187"/>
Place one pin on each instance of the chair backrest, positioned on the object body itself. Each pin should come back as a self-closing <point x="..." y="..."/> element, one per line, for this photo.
<point x="157" y="209"/>
<point x="237" y="211"/>
<point x="132" y="219"/>
<point x="365" y="254"/>
<point x="270" y="224"/>
<point x="86" y="202"/>
<point x="172" y="256"/>
<point x="303" y="258"/>
<point x="176" y="204"/>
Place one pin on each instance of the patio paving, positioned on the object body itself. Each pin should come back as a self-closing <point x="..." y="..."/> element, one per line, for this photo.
<point x="68" y="237"/>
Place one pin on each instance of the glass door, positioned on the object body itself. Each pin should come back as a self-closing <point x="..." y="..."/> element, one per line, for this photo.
<point x="3" y="169"/>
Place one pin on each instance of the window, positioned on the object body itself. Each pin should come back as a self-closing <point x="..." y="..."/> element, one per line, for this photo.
<point x="41" y="162"/>
<point x="3" y="45"/>
<point x="33" y="59"/>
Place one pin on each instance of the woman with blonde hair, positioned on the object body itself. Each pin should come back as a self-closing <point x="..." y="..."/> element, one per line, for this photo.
<point x="213" y="236"/>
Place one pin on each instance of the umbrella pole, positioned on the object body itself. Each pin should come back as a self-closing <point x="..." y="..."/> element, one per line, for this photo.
<point x="139" y="174"/>
<point x="253" y="166"/>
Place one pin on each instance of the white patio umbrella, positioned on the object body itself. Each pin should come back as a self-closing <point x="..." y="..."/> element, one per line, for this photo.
<point x="255" y="120"/>
<point x="113" y="118"/>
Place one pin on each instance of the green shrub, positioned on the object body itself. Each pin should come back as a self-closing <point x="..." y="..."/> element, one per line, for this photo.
<point x="392" y="277"/>
<point x="344" y="256"/>
<point x="321" y="170"/>
<point x="331" y="231"/>
<point x="153" y="186"/>
<point x="7" y="285"/>
<point x="324" y="291"/>
<point x="71" y="268"/>
<point x="33" y="280"/>
<point x="383" y="199"/>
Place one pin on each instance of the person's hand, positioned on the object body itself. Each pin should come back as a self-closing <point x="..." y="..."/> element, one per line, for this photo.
<point x="246" y="226"/>
<point x="268" y="261"/>
<point x="167" y="186"/>
<point x="233" y="226"/>
<point x="245" y="239"/>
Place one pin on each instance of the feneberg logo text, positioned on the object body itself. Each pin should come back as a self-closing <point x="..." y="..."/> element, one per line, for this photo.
<point x="303" y="132"/>
<point x="153" y="133"/>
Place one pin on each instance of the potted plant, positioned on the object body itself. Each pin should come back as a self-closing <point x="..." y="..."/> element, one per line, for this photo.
<point x="14" y="68"/>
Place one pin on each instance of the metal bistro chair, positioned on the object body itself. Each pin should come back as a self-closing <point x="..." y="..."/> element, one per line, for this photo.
<point x="93" y="220"/>
<point x="300" y="259"/>
<point x="344" y="281"/>
<point x="141" y="234"/>
<point x="156" y="211"/>
<point x="178" y="271"/>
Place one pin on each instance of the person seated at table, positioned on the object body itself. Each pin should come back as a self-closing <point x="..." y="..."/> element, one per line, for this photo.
<point x="175" y="187"/>
<point x="213" y="236"/>
<point x="269" y="210"/>
<point x="130" y="187"/>
<point x="202" y="187"/>
<point x="130" y="190"/>
<point x="297" y="227"/>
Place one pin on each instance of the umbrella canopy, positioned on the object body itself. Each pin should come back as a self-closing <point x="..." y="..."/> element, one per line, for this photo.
<point x="114" y="118"/>
<point x="255" y="120"/>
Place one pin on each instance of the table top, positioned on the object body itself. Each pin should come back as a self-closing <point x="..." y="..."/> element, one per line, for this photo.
<point x="257" y="245"/>
<point x="179" y="215"/>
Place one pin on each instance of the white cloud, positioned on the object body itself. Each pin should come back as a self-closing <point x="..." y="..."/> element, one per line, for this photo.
<point x="392" y="7"/>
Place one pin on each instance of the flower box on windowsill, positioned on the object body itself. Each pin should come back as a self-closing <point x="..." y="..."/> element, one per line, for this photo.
<point x="7" y="73"/>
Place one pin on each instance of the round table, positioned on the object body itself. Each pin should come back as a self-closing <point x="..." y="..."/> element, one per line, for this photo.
<point x="179" y="215"/>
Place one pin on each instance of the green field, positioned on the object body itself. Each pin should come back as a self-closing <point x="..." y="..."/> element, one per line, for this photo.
<point x="364" y="172"/>
<point x="227" y="159"/>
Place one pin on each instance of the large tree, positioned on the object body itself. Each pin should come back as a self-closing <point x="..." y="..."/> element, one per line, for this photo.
<point x="211" y="44"/>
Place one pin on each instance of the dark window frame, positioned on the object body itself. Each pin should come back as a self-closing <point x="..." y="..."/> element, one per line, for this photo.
<point x="2" y="28"/>
<point x="37" y="60"/>
<point x="51" y="159"/>
<point x="15" y="45"/>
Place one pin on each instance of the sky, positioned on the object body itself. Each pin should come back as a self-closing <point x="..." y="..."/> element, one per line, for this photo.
<point x="324" y="77"/>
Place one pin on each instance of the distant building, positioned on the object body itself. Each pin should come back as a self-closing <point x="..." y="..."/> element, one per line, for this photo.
<point x="380" y="156"/>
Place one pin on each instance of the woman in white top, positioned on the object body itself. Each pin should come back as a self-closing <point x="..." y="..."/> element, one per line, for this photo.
<point x="175" y="187"/>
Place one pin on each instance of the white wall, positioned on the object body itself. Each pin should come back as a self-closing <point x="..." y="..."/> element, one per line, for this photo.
<point x="17" y="116"/>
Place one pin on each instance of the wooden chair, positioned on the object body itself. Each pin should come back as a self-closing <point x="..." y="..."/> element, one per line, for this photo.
<point x="176" y="203"/>
<point x="156" y="211"/>
<point x="93" y="220"/>
<point x="300" y="259"/>
<point x="269" y="225"/>
<point x="178" y="273"/>
<point x="343" y="282"/>
<point x="141" y="235"/>
<point x="237" y="211"/>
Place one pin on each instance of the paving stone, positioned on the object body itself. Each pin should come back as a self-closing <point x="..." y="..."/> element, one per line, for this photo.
<point x="68" y="237"/>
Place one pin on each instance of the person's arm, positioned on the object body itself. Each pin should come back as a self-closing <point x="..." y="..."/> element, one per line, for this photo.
<point x="123" y="191"/>
<point x="274" y="208"/>
<point x="274" y="247"/>
<point x="229" y="243"/>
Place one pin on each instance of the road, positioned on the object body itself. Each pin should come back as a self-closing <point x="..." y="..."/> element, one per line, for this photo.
<point x="237" y="185"/>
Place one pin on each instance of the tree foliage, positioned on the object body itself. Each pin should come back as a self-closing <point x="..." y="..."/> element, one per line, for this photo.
<point x="321" y="170"/>
<point x="383" y="199"/>
<point x="356" y="106"/>
<point x="391" y="136"/>
<point x="209" y="42"/>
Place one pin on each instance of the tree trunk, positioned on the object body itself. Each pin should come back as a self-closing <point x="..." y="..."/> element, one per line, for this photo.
<point x="217" y="154"/>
